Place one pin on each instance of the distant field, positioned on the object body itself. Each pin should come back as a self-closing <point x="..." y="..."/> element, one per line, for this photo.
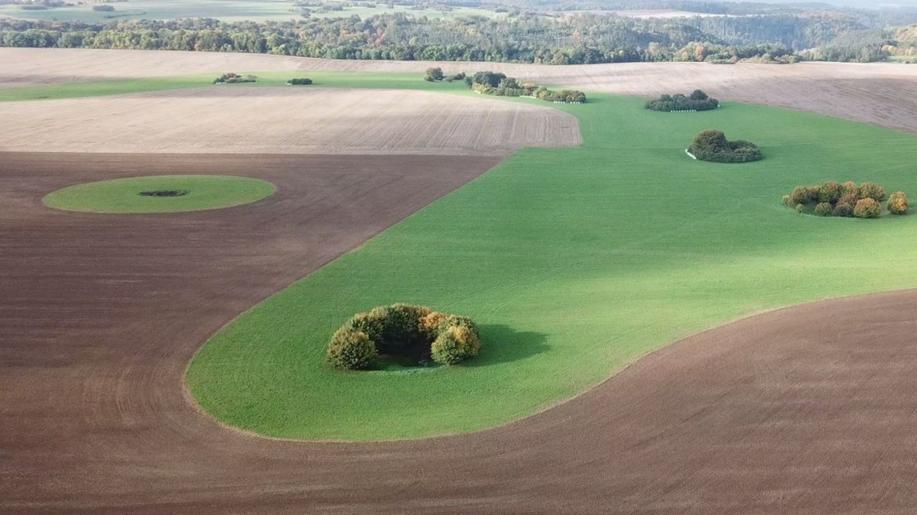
<point x="227" y="10"/>
<point x="643" y="13"/>
<point x="258" y="118"/>
<point x="880" y="93"/>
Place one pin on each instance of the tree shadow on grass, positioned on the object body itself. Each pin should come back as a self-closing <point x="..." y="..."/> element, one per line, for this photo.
<point x="502" y="344"/>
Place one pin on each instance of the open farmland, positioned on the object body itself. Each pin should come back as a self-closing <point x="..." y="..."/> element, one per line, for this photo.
<point x="228" y="10"/>
<point x="285" y="121"/>
<point x="880" y="93"/>
<point x="577" y="262"/>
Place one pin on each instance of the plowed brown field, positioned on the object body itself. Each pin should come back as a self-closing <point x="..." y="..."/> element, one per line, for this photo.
<point x="284" y="121"/>
<point x="100" y="314"/>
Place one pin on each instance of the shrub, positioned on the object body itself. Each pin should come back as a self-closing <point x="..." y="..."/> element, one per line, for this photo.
<point x="850" y="188"/>
<point x="401" y="333"/>
<point x="299" y="82"/>
<point x="800" y="195"/>
<point x="416" y="332"/>
<point x="352" y="350"/>
<point x="850" y="198"/>
<point x="829" y="192"/>
<point x="873" y="191"/>
<point x="897" y="203"/>
<point x="842" y="209"/>
<point x="456" y="343"/>
<point x="823" y="209"/>
<point x="712" y="145"/>
<point x="800" y="208"/>
<point x="434" y="74"/>
<point x="867" y="208"/>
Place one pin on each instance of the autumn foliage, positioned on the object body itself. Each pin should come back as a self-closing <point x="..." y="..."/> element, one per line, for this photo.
<point x="845" y="200"/>
<point x="414" y="332"/>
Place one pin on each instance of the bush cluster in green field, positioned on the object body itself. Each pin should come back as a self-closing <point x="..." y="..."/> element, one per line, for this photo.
<point x="234" y="78"/>
<point x="299" y="82"/>
<point x="416" y="332"/>
<point x="712" y="145"/>
<point x="845" y="200"/>
<point x="697" y="101"/>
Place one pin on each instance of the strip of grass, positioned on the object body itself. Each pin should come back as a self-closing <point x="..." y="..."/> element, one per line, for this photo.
<point x="265" y="79"/>
<point x="574" y="262"/>
<point x="134" y="194"/>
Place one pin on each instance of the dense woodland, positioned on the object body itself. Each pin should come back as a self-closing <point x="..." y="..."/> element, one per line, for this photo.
<point x="571" y="39"/>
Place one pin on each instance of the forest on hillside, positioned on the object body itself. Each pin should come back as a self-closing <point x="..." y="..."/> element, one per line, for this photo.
<point x="580" y="38"/>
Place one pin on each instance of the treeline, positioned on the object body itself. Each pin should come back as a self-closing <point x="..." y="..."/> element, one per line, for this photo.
<point x="498" y="84"/>
<point x="868" y="46"/>
<point x="580" y="39"/>
<point x="697" y="101"/>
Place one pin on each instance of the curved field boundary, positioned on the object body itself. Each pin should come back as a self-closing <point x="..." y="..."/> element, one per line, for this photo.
<point x="803" y="409"/>
<point x="135" y="461"/>
<point x="884" y="94"/>
<point x="574" y="263"/>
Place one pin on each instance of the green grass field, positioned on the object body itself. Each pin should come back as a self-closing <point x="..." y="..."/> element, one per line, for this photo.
<point x="575" y="262"/>
<point x="265" y="79"/>
<point x="227" y="10"/>
<point x="198" y="193"/>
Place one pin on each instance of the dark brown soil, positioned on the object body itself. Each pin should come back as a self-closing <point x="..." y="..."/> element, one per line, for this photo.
<point x="808" y="409"/>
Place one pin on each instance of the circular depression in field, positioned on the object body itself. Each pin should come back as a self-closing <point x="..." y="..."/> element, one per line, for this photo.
<point x="160" y="194"/>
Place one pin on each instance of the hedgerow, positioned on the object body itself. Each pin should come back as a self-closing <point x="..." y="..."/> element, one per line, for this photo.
<point x="697" y="101"/>
<point x="234" y="78"/>
<point x="845" y="200"/>
<point x="415" y="332"/>
<point x="498" y="84"/>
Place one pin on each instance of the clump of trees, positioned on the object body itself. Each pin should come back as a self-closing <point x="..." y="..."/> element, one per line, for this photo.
<point x="845" y="200"/>
<point x="712" y="145"/>
<point x="434" y="74"/>
<point x="498" y="84"/>
<point x="417" y="333"/>
<point x="696" y="101"/>
<point x="302" y="81"/>
<point x="234" y="78"/>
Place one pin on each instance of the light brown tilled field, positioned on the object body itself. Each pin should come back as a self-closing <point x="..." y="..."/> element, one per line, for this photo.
<point x="260" y="120"/>
<point x="880" y="93"/>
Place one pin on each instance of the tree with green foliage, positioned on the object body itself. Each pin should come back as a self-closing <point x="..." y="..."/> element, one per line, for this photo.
<point x="712" y="145"/>
<point x="434" y="74"/>
<point x="897" y="203"/>
<point x="867" y="208"/>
